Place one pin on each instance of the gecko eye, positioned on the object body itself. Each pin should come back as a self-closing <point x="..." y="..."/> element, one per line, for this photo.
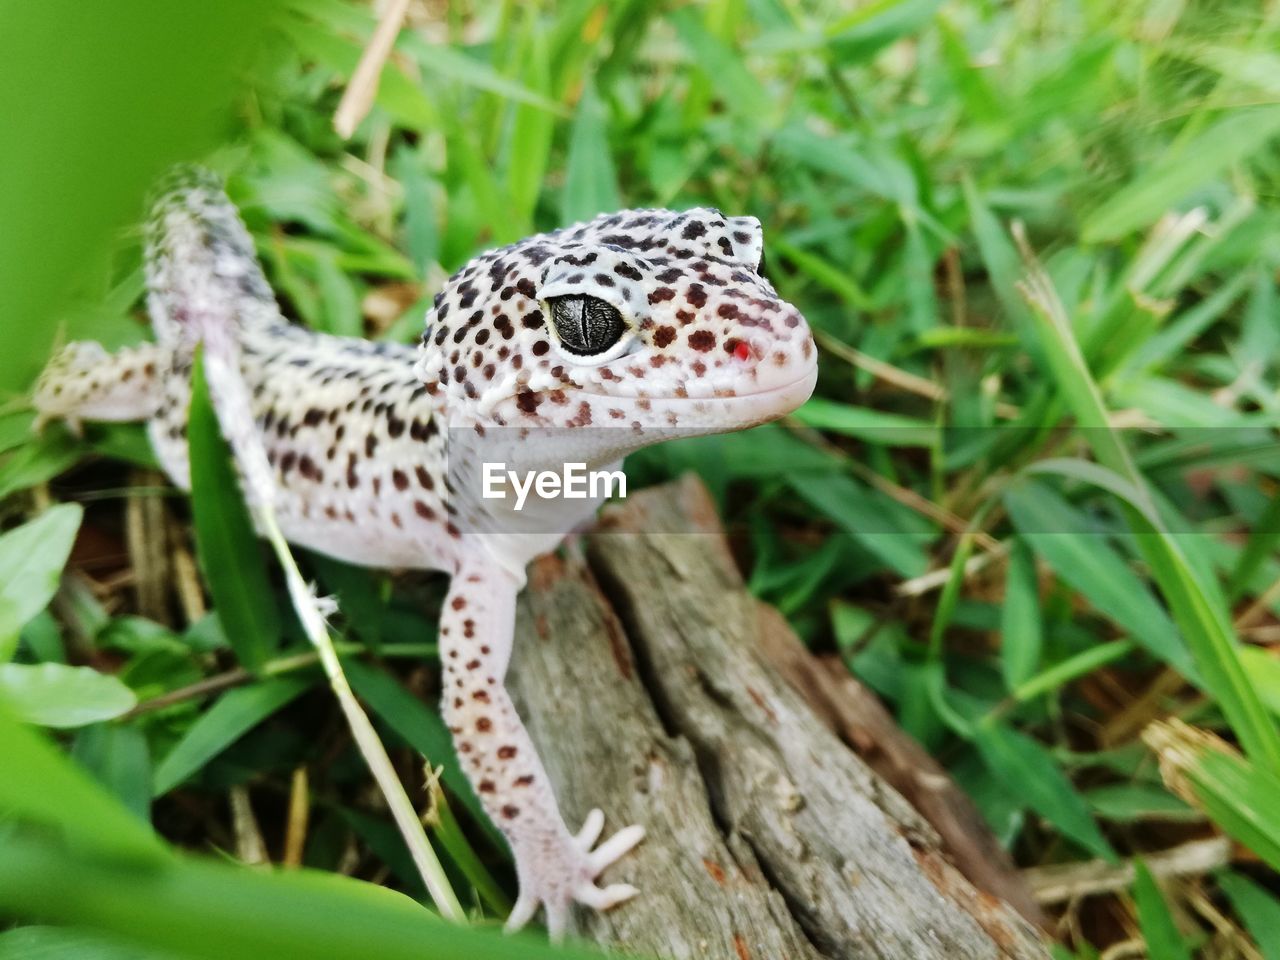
<point x="585" y="325"/>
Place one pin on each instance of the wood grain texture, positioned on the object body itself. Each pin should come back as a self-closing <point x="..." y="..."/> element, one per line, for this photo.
<point x="640" y="673"/>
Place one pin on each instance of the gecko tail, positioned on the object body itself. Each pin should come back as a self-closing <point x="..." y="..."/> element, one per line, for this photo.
<point x="200" y="256"/>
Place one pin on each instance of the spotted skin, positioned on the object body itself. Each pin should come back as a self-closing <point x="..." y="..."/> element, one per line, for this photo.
<point x="359" y="434"/>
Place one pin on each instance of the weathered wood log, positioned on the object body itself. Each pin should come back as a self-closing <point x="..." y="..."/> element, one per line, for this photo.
<point x="641" y="676"/>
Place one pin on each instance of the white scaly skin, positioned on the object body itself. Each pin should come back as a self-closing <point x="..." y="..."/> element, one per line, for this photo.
<point x="357" y="434"/>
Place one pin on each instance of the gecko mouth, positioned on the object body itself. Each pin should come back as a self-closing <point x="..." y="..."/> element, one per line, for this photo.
<point x="734" y="412"/>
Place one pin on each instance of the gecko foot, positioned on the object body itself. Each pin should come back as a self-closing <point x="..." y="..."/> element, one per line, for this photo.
<point x="558" y="878"/>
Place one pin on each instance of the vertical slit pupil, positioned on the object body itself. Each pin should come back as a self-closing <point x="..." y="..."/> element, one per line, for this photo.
<point x="586" y="325"/>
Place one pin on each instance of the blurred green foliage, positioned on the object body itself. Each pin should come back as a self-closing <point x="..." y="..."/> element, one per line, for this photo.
<point x="1035" y="504"/>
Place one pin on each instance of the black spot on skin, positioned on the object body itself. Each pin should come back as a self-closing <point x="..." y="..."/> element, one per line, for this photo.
<point x="663" y="336"/>
<point x="526" y="287"/>
<point x="693" y="230"/>
<point x="422" y="510"/>
<point x="510" y="811"/>
<point x="424" y="478"/>
<point x="603" y="279"/>
<point x="628" y="271"/>
<point x="696" y="295"/>
<point x="725" y="245"/>
<point x="661" y="294"/>
<point x="702" y="340"/>
<point x="540" y="348"/>
<point x="528" y="401"/>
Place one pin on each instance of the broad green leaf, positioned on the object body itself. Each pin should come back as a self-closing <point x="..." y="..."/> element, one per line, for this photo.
<point x="42" y="786"/>
<point x="212" y="911"/>
<point x="118" y="756"/>
<point x="1167" y="182"/>
<point x="1163" y="940"/>
<point x="31" y="560"/>
<point x="57" y="943"/>
<point x="1021" y="627"/>
<point x="56" y="695"/>
<point x="230" y="555"/>
<point x="234" y="714"/>
<point x="591" y="185"/>
<point x="1029" y="772"/>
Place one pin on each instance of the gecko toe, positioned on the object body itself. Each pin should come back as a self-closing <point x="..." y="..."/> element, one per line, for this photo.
<point x="526" y="906"/>
<point x="605" y="898"/>
<point x="590" y="831"/>
<point x="614" y="848"/>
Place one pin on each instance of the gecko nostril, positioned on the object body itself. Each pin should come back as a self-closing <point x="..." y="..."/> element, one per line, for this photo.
<point x="742" y="351"/>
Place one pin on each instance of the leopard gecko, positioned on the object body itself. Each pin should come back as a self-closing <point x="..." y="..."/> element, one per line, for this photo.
<point x="581" y="344"/>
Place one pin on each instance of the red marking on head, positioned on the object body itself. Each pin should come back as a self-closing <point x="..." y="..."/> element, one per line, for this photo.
<point x="742" y="351"/>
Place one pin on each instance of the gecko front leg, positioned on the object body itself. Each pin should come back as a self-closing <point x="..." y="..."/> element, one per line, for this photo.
<point x="554" y="867"/>
<point x="85" y="382"/>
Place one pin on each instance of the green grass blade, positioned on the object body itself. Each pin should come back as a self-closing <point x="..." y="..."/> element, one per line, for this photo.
<point x="1259" y="909"/>
<point x="421" y="728"/>
<point x="1168" y="181"/>
<point x="235" y="714"/>
<point x="1197" y="607"/>
<point x="1021" y="626"/>
<point x="1028" y="771"/>
<point x="1238" y="795"/>
<point x="230" y="555"/>
<point x="591" y="186"/>
<point x="1164" y="942"/>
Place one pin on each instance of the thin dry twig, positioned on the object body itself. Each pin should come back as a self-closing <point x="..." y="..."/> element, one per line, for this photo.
<point x="250" y="847"/>
<point x="358" y="97"/>
<point x="1063" y="882"/>
<point x="230" y="399"/>
<point x="295" y="836"/>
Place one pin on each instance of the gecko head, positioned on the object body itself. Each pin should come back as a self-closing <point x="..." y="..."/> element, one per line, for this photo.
<point x="650" y="320"/>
